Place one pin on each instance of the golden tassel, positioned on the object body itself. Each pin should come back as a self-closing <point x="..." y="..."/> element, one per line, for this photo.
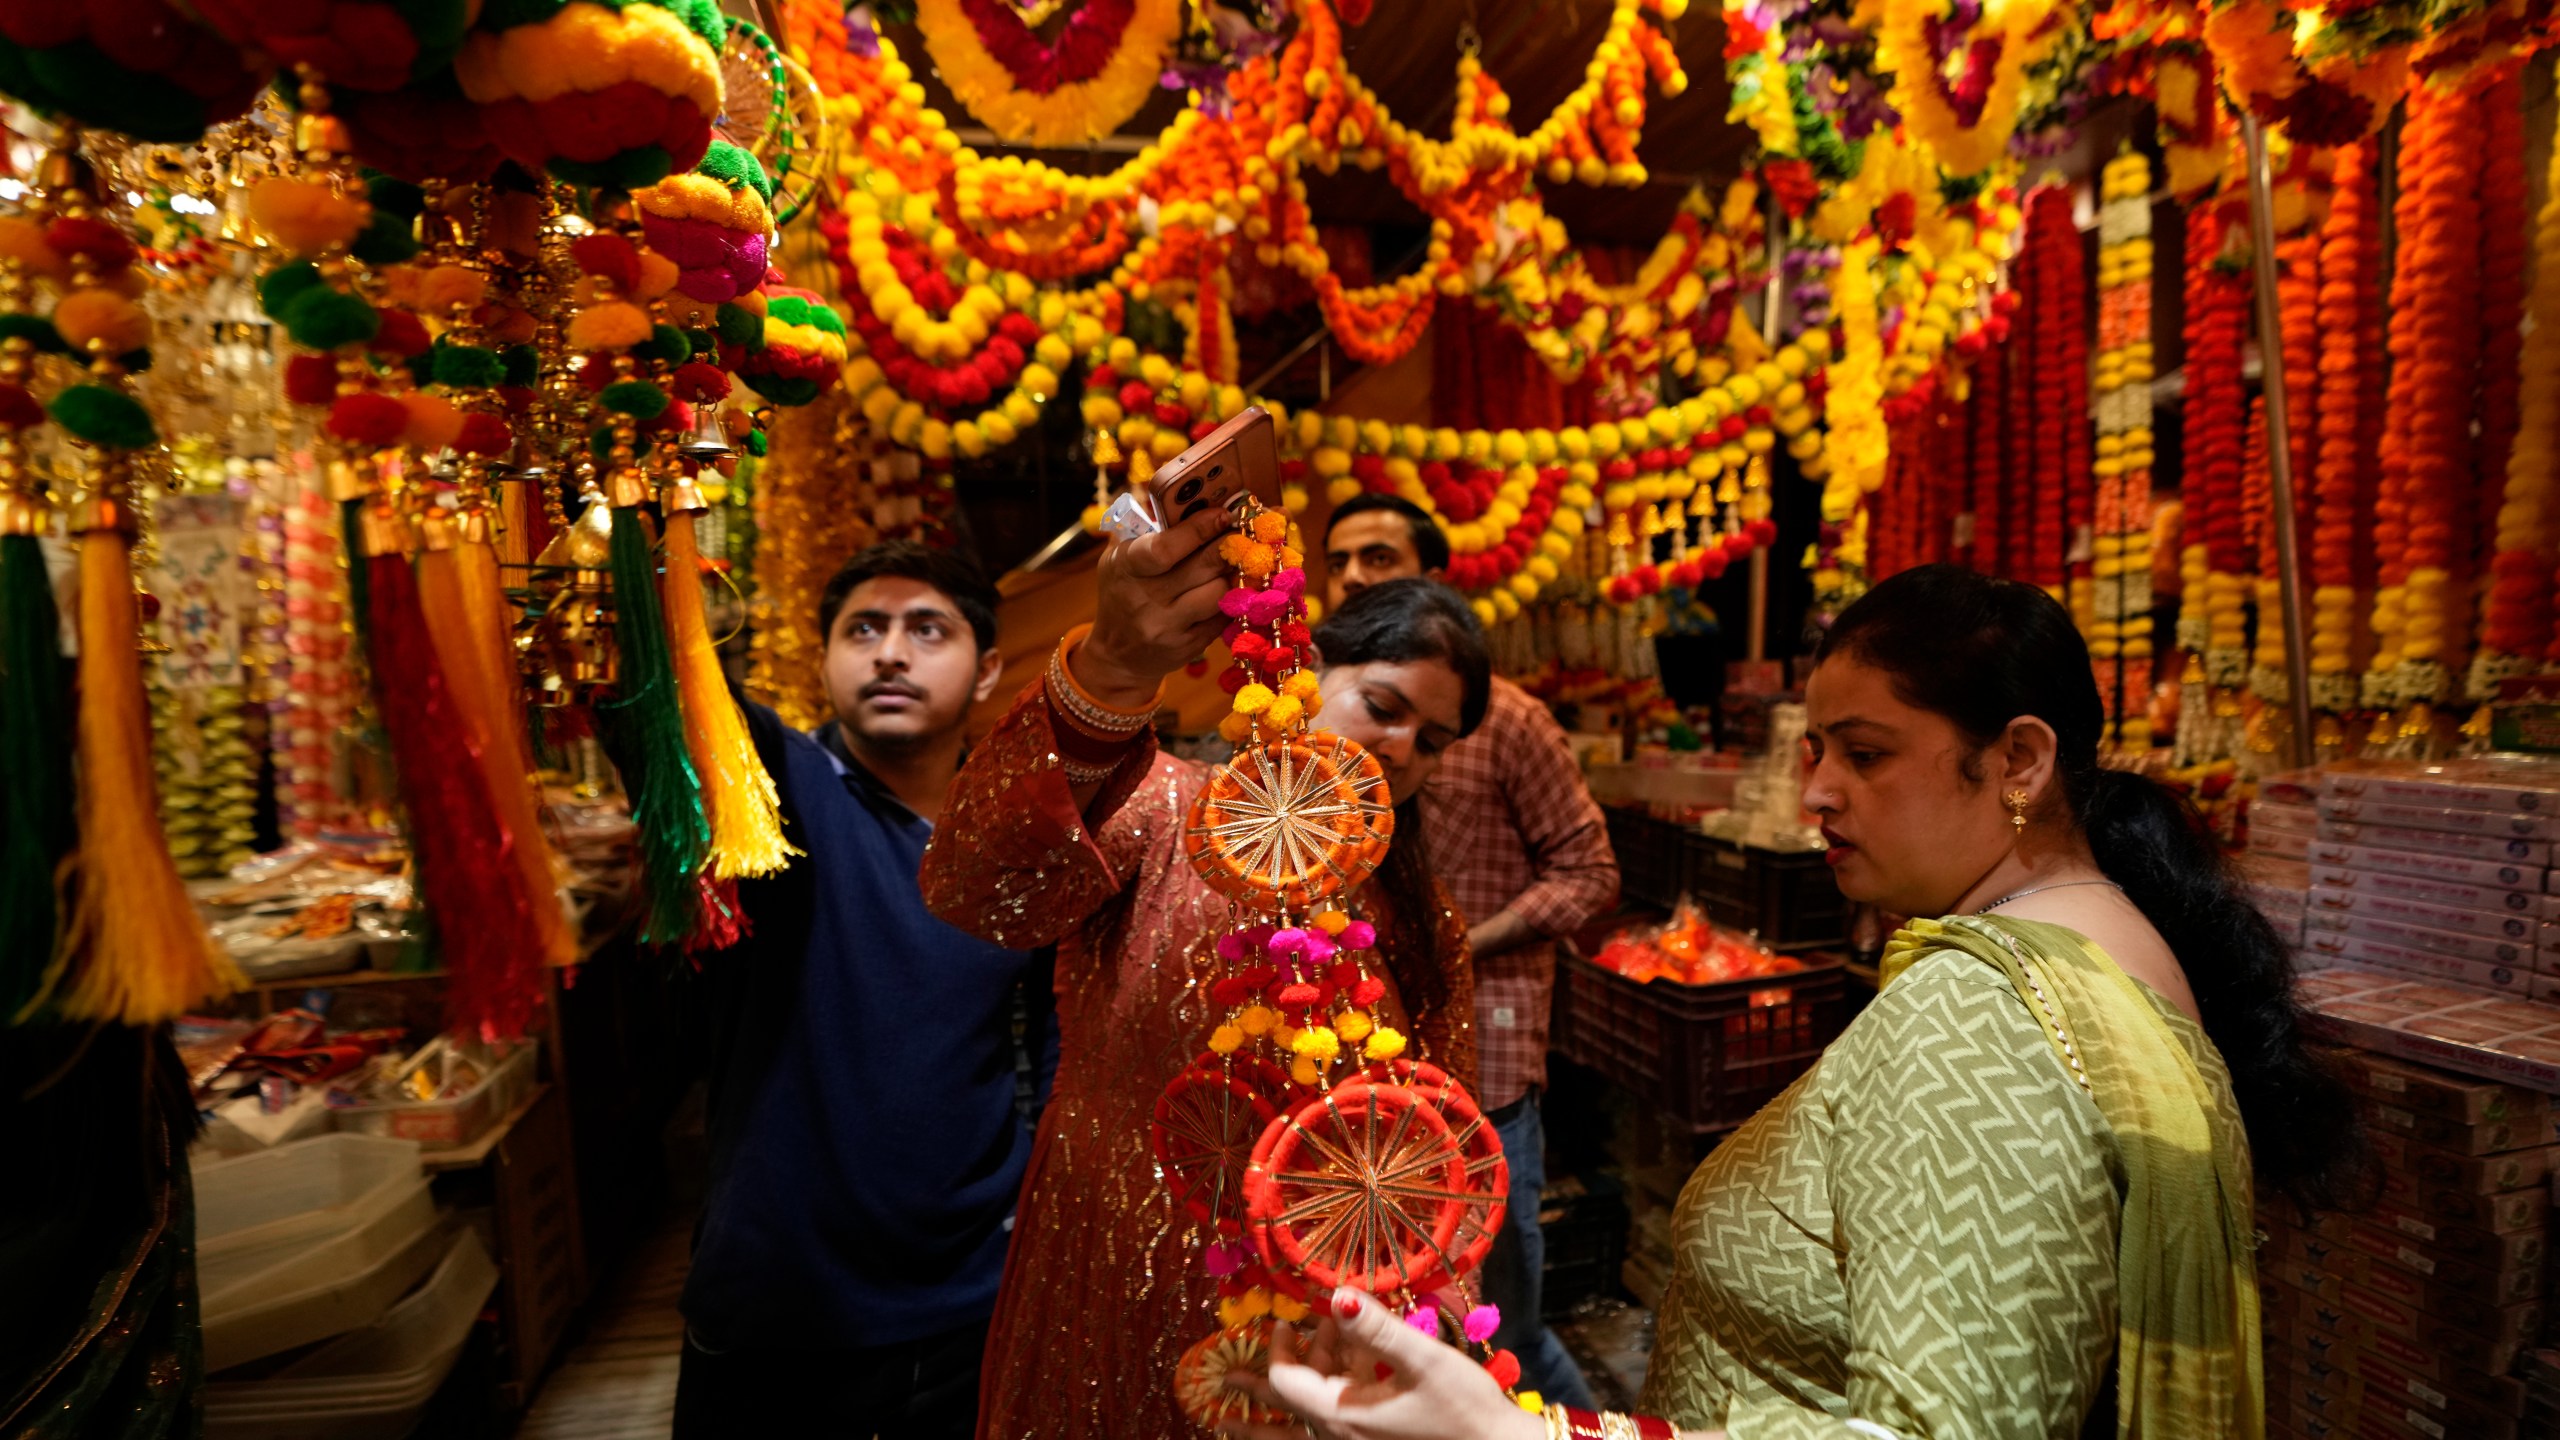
<point x="744" y="808"/>
<point x="487" y="703"/>
<point x="134" y="949"/>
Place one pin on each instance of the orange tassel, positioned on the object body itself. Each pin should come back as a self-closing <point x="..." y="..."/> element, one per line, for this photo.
<point x="135" y="952"/>
<point x="737" y="794"/>
<point x="487" y="703"/>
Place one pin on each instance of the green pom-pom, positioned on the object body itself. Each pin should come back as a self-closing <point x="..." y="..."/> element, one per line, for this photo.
<point x="666" y="344"/>
<point x="734" y="167"/>
<point x="387" y="239"/>
<point x="796" y="310"/>
<point x="740" y="325"/>
<point x="702" y="341"/>
<point x="703" y="18"/>
<point x="756" y="443"/>
<point x="279" y="288"/>
<point x="467" y="366"/>
<point x="395" y="195"/>
<point x="109" y="419"/>
<point x="323" y="319"/>
<point x="638" y="399"/>
<point x="421" y="368"/>
<point x="782" y="390"/>
<point x="35" y="330"/>
<point x="600" y="443"/>
<point x="524" y="365"/>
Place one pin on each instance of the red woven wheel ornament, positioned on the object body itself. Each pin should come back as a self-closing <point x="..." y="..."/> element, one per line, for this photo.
<point x="1369" y="1186"/>
<point x="1206" y="1125"/>
<point x="1285" y="826"/>
<point x="1200" y="1376"/>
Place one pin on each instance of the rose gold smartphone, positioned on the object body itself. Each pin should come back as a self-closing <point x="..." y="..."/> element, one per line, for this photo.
<point x="1239" y="458"/>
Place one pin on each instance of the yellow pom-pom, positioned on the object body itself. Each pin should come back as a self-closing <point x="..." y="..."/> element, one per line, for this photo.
<point x="1236" y="729"/>
<point x="1231" y="1312"/>
<point x="1532" y="1401"/>
<point x="1303" y="687"/>
<point x="1304" y="1071"/>
<point x="1226" y="1040"/>
<point x="23" y="241"/>
<point x="1270" y="527"/>
<point x="1253" y="699"/>
<point x="1288" y="1310"/>
<point x="1333" y="922"/>
<point x="1353" y="1026"/>
<point x="115" y="324"/>
<point x="1257" y="1019"/>
<point x="1386" y="1044"/>
<point x="1317" y="1041"/>
<point x="612" y="325"/>
<point x="1284" y="712"/>
<point x="444" y="287"/>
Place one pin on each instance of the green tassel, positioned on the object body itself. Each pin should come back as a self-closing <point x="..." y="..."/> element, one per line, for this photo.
<point x="666" y="793"/>
<point x="36" y="826"/>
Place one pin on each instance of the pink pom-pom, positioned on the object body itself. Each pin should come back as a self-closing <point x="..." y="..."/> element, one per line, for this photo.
<point x="1231" y="948"/>
<point x="1424" y="1319"/>
<point x="1319" y="947"/>
<point x="1293" y="580"/>
<point x="1224" y="1258"/>
<point x="1359" y="935"/>
<point x="1233" y="604"/>
<point x="1264" y="607"/>
<point x="1257" y="936"/>
<point x="1482" y="1321"/>
<point x="1292" y="941"/>
<point x="1234" y="628"/>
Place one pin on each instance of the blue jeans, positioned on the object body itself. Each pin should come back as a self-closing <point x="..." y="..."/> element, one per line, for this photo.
<point x="1515" y="1270"/>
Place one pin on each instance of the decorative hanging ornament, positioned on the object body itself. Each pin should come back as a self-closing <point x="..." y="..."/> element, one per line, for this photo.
<point x="1078" y="87"/>
<point x="618" y="95"/>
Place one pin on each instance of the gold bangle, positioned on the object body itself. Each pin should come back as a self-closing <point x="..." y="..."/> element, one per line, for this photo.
<point x="1104" y="722"/>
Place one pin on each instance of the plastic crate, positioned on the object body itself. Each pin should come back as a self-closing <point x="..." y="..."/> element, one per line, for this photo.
<point x="1785" y="898"/>
<point x="1707" y="1056"/>
<point x="449" y="1124"/>
<point x="1648" y="853"/>
<point x="1586" y="1238"/>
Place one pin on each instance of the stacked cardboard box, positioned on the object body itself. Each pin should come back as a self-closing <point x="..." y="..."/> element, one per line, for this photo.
<point x="2411" y="1318"/>
<point x="2284" y="819"/>
<point x="2441" y="871"/>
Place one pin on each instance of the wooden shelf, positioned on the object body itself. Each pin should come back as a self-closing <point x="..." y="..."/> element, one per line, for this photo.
<point x="475" y="1154"/>
<point x="343" y="979"/>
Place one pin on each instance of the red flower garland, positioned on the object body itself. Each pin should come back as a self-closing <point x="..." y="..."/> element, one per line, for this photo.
<point x="1082" y="49"/>
<point x="2505" y="245"/>
<point x="2215" y="409"/>
<point x="965" y="385"/>
<point x="2442" y="257"/>
<point x="2350" y="334"/>
<point x="1989" y="483"/>
<point x="2055" y="390"/>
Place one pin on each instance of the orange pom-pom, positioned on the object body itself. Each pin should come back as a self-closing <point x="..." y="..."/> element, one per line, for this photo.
<point x="658" y="275"/>
<point x="93" y="320"/>
<point x="303" y="216"/>
<point x="23" y="241"/>
<point x="446" y="286"/>
<point x="613" y="325"/>
<point x="433" y="421"/>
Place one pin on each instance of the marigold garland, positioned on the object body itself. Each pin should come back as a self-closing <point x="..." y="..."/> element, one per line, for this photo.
<point x="2214" y="621"/>
<point x="1103" y="67"/>
<point x="1968" y="116"/>
<point x="2518" y="632"/>
<point x="2505" y="229"/>
<point x="2349" y="325"/>
<point x="2120" y="632"/>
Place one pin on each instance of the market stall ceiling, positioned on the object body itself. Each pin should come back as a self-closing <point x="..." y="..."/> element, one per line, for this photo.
<point x="1408" y="54"/>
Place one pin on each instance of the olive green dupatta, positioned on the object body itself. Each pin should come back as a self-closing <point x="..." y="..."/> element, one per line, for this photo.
<point x="2188" y="1362"/>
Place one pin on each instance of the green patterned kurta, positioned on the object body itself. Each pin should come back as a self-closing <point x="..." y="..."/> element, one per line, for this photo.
<point x="1919" y="1236"/>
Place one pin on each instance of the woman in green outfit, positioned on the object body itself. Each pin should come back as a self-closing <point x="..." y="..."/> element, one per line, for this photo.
<point x="2014" y="1198"/>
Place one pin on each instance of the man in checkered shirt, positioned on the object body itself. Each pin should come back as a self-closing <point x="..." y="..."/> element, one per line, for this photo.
<point x="1521" y="845"/>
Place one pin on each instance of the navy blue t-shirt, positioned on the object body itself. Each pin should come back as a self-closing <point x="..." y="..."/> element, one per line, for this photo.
<point x="867" y="1143"/>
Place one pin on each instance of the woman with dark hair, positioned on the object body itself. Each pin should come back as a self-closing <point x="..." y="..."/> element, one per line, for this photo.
<point x="2014" y="1198"/>
<point x="1066" y="829"/>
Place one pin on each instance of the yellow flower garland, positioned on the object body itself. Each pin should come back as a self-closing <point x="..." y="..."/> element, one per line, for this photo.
<point x="1903" y="46"/>
<point x="1855" y="404"/>
<point x="1070" y="114"/>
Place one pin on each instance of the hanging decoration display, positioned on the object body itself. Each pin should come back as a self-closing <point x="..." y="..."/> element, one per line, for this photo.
<point x="2120" y="607"/>
<point x="2349" y="322"/>
<point x="1303" y="1115"/>
<point x="1058" y="93"/>
<point x="2213" y="621"/>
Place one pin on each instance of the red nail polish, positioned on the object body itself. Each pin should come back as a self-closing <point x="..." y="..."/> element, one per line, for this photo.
<point x="1345" y="1304"/>
<point x="1386" y="1371"/>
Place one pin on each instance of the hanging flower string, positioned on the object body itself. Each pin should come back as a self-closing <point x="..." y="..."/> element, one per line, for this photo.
<point x="2349" y="322"/>
<point x="2120" y="629"/>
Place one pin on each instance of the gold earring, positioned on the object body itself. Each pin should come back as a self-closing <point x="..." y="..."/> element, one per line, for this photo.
<point x="2017" y="810"/>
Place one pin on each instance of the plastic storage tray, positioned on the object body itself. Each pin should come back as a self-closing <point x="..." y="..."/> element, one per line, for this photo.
<point x="258" y="1209"/>
<point x="1709" y="1055"/>
<point x="446" y="1124"/>
<point x="374" y="1382"/>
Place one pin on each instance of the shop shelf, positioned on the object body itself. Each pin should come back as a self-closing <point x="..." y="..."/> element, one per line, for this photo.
<point x="1785" y="898"/>
<point x="1707" y="1056"/>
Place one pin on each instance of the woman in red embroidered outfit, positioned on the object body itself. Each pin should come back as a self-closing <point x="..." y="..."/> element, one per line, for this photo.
<point x="1066" y="829"/>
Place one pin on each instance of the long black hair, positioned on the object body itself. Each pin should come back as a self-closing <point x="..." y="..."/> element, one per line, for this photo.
<point x="1398" y="623"/>
<point x="1983" y="652"/>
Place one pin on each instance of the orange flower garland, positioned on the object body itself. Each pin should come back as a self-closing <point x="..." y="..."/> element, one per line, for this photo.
<point x="2518" y="633"/>
<point x="2504" y="233"/>
<point x="2349" y="325"/>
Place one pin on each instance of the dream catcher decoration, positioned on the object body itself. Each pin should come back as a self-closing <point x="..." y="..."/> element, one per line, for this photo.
<point x="1310" y="1150"/>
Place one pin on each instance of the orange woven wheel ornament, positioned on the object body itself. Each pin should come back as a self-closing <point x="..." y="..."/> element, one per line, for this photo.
<point x="1386" y="1187"/>
<point x="1288" y="824"/>
<point x="1206" y="1125"/>
<point x="1200" y="1377"/>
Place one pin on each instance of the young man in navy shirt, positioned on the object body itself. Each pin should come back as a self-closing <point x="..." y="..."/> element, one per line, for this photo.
<point x="866" y="1127"/>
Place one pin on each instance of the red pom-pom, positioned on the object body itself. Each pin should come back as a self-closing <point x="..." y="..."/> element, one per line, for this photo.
<point x="696" y="380"/>
<point x="1249" y="646"/>
<point x="1295" y="632"/>
<point x="311" y="379"/>
<point x="1232" y="679"/>
<point x="610" y="257"/>
<point x="484" y="434"/>
<point x="1369" y="991"/>
<point x="1346" y="974"/>
<point x="1233" y="990"/>
<point x="401" y="334"/>
<point x="1299" y="996"/>
<point x="18" y="409"/>
<point x="366" y="418"/>
<point x="106" y="246"/>
<point x="1504" y="1367"/>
